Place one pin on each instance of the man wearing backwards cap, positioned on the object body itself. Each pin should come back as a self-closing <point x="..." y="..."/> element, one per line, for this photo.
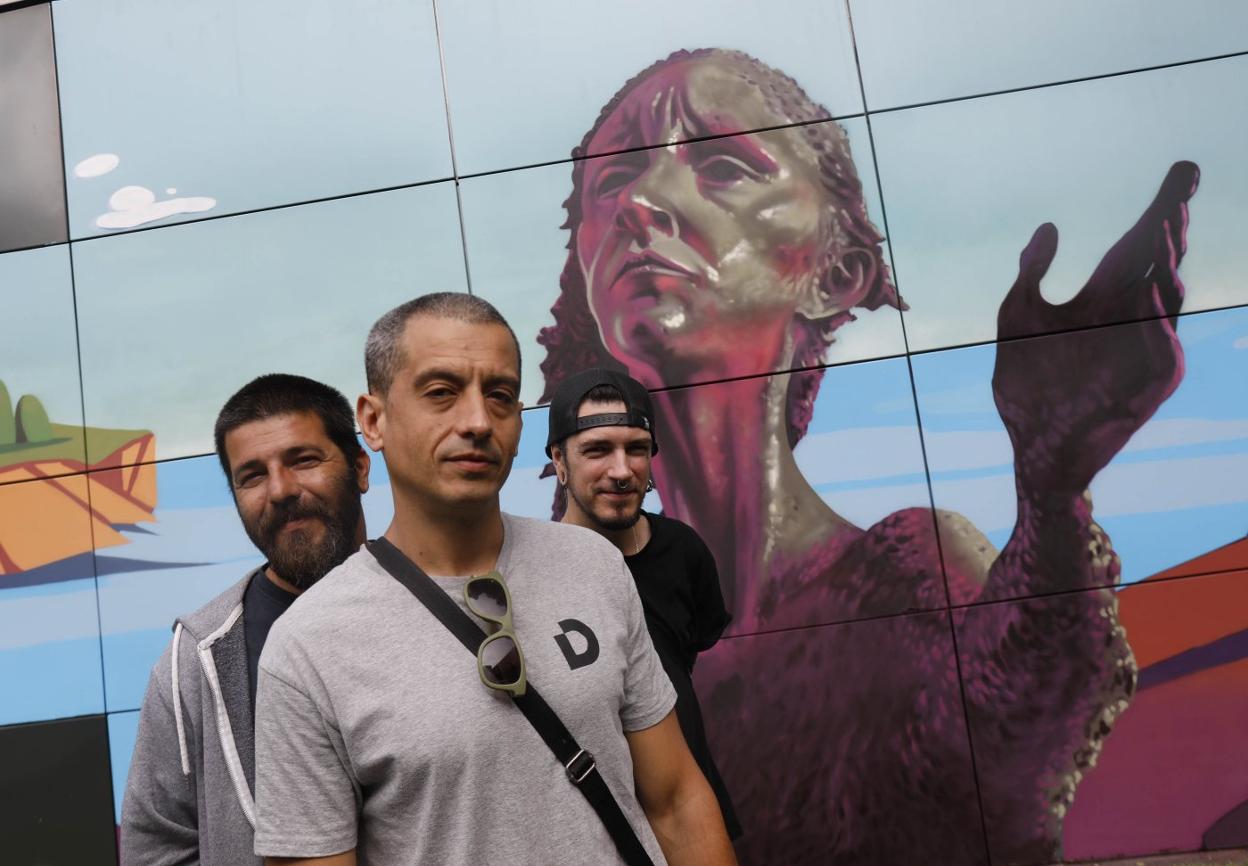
<point x="601" y="439"/>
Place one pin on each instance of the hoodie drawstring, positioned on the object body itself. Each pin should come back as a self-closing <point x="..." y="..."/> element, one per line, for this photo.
<point x="177" y="704"/>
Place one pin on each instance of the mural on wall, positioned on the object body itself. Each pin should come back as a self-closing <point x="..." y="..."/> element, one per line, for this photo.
<point x="714" y="258"/>
<point x="33" y="447"/>
<point x="858" y="719"/>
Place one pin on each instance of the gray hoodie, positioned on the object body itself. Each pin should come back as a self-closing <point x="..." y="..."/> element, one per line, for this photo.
<point x="190" y="793"/>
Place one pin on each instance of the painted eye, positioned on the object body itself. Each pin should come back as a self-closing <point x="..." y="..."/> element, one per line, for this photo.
<point x="618" y="172"/>
<point x="611" y="181"/>
<point x="724" y="170"/>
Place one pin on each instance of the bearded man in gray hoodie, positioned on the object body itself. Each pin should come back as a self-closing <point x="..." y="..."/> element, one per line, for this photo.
<point x="296" y="471"/>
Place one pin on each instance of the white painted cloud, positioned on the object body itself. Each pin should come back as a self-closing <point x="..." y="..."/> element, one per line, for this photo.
<point x="859" y="454"/>
<point x="97" y="165"/>
<point x="968" y="449"/>
<point x="870" y="505"/>
<point x="1130" y="488"/>
<point x="136" y="205"/>
<point x="30" y="616"/>
<point x="144" y="600"/>
<point x="984" y="449"/>
<point x="975" y="397"/>
<point x="1176" y="432"/>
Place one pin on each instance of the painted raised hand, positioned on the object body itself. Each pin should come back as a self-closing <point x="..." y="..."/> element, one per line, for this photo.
<point x="1070" y="403"/>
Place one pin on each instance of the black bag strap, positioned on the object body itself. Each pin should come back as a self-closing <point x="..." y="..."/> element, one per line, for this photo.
<point x="577" y="762"/>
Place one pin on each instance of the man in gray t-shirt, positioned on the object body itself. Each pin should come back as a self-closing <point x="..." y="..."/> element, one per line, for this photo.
<point x="376" y="740"/>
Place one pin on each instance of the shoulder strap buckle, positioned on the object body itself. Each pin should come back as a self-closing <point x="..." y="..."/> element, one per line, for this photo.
<point x="581" y="765"/>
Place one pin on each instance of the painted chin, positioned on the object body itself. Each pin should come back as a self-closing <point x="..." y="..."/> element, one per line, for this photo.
<point x="647" y="321"/>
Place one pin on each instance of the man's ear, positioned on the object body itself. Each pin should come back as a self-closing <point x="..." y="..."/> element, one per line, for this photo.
<point x="842" y="287"/>
<point x="515" y="452"/>
<point x="362" y="464"/>
<point x="370" y="413"/>
<point x="558" y="458"/>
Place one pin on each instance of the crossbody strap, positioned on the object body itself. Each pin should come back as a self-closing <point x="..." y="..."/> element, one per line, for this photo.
<point x="577" y="762"/>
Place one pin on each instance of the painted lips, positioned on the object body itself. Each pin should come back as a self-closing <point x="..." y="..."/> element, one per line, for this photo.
<point x="652" y="263"/>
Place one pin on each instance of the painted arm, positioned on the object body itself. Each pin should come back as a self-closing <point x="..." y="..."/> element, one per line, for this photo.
<point x="1071" y="402"/>
<point x="676" y="798"/>
<point x="1045" y="678"/>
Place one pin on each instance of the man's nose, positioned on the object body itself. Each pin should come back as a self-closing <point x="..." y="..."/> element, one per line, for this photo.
<point x="474" y="421"/>
<point x="617" y="466"/>
<point x="282" y="485"/>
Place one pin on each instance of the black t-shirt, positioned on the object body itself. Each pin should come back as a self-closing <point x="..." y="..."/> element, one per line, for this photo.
<point x="679" y="587"/>
<point x="263" y="602"/>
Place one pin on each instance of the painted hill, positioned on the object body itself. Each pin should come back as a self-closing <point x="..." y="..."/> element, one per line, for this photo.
<point x="1171" y="775"/>
<point x="89" y="477"/>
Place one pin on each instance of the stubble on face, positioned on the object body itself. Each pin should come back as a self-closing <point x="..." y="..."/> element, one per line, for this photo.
<point x="603" y="516"/>
<point x="451" y="422"/>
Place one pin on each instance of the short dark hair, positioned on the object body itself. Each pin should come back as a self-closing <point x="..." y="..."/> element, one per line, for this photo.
<point x="602" y="394"/>
<point x="383" y="351"/>
<point x="284" y="394"/>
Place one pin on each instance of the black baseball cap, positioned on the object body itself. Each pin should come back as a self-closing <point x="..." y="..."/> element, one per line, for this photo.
<point x="639" y="411"/>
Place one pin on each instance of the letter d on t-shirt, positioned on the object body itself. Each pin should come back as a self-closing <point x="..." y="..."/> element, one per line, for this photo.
<point x="587" y="656"/>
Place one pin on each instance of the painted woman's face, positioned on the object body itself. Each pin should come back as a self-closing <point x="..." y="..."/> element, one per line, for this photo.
<point x="697" y="254"/>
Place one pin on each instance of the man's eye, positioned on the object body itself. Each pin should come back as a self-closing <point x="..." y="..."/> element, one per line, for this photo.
<point x="248" y="481"/>
<point x="504" y="397"/>
<point x="439" y="393"/>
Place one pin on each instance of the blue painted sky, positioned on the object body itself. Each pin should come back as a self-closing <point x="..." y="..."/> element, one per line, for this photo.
<point x="1178" y="489"/>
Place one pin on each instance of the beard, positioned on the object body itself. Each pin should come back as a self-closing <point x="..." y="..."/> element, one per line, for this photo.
<point x="616" y="522"/>
<point x="297" y="557"/>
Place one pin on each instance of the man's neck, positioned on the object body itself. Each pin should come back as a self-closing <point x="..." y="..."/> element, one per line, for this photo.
<point x="630" y="541"/>
<point x="465" y="541"/>
<point x="280" y="582"/>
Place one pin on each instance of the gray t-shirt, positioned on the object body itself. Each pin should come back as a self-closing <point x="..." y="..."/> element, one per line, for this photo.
<point x="374" y="731"/>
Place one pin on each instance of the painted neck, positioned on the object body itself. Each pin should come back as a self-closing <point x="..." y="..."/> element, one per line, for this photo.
<point x="726" y="468"/>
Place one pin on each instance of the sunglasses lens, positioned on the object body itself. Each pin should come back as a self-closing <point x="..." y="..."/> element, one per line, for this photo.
<point x="500" y="658"/>
<point x="486" y="595"/>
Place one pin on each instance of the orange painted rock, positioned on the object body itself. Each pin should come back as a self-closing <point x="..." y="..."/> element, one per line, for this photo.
<point x="62" y="496"/>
